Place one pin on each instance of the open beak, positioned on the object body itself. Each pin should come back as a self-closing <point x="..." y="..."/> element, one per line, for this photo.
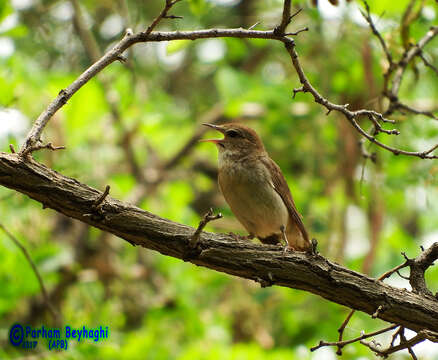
<point x="216" y="127"/>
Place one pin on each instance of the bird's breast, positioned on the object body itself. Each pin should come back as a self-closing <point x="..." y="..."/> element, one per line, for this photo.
<point x="247" y="188"/>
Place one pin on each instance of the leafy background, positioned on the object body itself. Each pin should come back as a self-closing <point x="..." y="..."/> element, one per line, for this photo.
<point x="362" y="213"/>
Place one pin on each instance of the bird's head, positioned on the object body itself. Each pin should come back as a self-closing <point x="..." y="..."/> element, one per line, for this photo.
<point x="239" y="140"/>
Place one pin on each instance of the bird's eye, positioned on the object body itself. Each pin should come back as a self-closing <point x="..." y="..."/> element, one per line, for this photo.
<point x="233" y="133"/>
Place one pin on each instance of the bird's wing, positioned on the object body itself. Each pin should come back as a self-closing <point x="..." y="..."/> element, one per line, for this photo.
<point x="280" y="185"/>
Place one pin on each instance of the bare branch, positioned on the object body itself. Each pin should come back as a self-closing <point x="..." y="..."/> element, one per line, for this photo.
<point x="297" y="32"/>
<point x="130" y="39"/>
<point x="407" y="58"/>
<point x="351" y="116"/>
<point x="398" y="105"/>
<point x="285" y="18"/>
<point x="341" y="331"/>
<point x="427" y="63"/>
<point x="220" y="252"/>
<point x="370" y="21"/>
<point x="407" y="344"/>
<point x="163" y="15"/>
<point x="392" y="271"/>
<point x="341" y="344"/>
<point x="34" y="148"/>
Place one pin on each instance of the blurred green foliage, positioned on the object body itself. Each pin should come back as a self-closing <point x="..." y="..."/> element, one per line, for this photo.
<point x="159" y="307"/>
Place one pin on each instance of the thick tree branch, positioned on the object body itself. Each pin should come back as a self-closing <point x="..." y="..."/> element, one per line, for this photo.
<point x="312" y="273"/>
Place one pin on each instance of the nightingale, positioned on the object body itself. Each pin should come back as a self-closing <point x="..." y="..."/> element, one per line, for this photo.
<point x="255" y="189"/>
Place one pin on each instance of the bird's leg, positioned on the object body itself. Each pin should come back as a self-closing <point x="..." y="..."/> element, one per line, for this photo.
<point x="283" y="233"/>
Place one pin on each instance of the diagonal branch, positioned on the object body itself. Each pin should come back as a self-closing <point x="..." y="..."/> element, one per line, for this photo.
<point x="130" y="39"/>
<point x="407" y="58"/>
<point x="369" y="19"/>
<point x="341" y="344"/>
<point x="285" y="18"/>
<point x="351" y="116"/>
<point x="312" y="273"/>
<point x="396" y="69"/>
<point x="56" y="315"/>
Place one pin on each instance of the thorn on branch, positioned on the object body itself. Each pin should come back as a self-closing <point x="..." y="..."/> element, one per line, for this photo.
<point x="295" y="14"/>
<point x="98" y="202"/>
<point x="194" y="240"/>
<point x="297" y="90"/>
<point x="11" y="147"/>
<point x="253" y="26"/>
<point x="173" y="17"/>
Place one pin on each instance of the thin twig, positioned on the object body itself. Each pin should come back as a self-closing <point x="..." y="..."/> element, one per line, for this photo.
<point x="400" y="105"/>
<point x="297" y="32"/>
<point x="341" y="344"/>
<point x="34" y="148"/>
<point x="427" y="63"/>
<point x="351" y="116"/>
<point x="285" y="18"/>
<point x="129" y="40"/>
<point x="407" y="58"/>
<point x="392" y="271"/>
<point x="342" y="329"/>
<point x="370" y="21"/>
<point x="50" y="306"/>
<point x="420" y="337"/>
<point x="163" y="14"/>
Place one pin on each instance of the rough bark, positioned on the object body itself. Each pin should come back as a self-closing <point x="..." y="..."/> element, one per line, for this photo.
<point x="265" y="264"/>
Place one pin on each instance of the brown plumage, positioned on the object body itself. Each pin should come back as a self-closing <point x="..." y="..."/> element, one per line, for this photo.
<point x="256" y="190"/>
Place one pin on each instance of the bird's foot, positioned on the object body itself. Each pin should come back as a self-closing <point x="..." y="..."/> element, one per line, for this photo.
<point x="287" y="248"/>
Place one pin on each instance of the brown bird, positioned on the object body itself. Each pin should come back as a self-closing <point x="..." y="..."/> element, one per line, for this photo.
<point x="256" y="190"/>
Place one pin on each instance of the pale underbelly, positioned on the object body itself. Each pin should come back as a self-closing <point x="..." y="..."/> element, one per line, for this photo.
<point x="259" y="208"/>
